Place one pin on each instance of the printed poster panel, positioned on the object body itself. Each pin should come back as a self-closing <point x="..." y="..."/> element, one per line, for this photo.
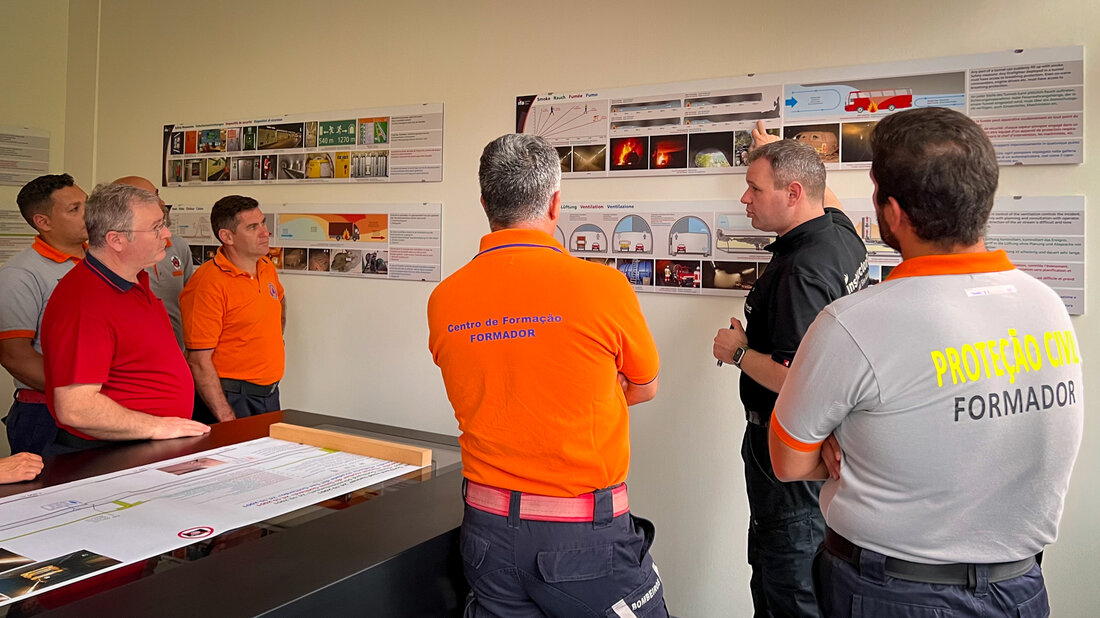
<point x="1030" y="103"/>
<point x="381" y="241"/>
<point x="710" y="247"/>
<point x="24" y="154"/>
<point x="395" y="144"/>
<point x="15" y="234"/>
<point x="54" y="536"/>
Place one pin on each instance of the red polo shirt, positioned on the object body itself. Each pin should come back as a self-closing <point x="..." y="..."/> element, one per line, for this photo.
<point x="99" y="328"/>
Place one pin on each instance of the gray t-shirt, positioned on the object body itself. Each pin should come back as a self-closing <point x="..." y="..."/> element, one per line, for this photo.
<point x="26" y="282"/>
<point x="957" y="401"/>
<point x="167" y="277"/>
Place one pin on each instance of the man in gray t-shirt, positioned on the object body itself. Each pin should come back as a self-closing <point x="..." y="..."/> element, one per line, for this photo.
<point x="168" y="276"/>
<point x="54" y="206"/>
<point x="952" y="392"/>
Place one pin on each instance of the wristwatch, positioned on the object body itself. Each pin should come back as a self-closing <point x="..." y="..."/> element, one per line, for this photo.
<point x="738" y="354"/>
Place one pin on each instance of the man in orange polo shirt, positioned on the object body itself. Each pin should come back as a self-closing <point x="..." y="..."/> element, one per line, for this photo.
<point x="234" y="312"/>
<point x="54" y="206"/>
<point x="541" y="354"/>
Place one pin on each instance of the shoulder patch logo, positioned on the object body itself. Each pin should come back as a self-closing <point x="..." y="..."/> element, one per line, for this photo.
<point x="272" y="290"/>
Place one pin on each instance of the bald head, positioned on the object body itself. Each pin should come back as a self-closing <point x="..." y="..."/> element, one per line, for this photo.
<point x="140" y="183"/>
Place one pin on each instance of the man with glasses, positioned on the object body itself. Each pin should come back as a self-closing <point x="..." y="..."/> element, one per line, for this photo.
<point x="234" y="313"/>
<point x="112" y="369"/>
<point x="168" y="276"/>
<point x="54" y="206"/>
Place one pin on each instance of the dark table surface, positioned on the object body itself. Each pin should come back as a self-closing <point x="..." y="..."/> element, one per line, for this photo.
<point x="328" y="560"/>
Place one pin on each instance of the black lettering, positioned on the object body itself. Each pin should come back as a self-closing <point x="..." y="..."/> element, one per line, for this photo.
<point x="994" y="405"/>
<point x="958" y="407"/>
<point x="1013" y="404"/>
<point x="1048" y="396"/>
<point x="1061" y="394"/>
<point x="1032" y="399"/>
<point x="970" y="410"/>
<point x="1072" y="398"/>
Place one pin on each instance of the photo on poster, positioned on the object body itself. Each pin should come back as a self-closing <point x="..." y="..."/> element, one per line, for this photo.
<point x="729" y="275"/>
<point x="233" y="140"/>
<point x="346" y="261"/>
<point x="591" y="158"/>
<point x="39" y="575"/>
<point x="319" y="165"/>
<point x="191" y="142"/>
<point x="606" y="261"/>
<point x="194" y="170"/>
<point x="210" y="140"/>
<point x="336" y="133"/>
<point x="245" y="168"/>
<point x="193" y="465"/>
<point x="198" y="255"/>
<point x="370" y="164"/>
<point x="565" y="157"/>
<point x="689" y="235"/>
<point x="710" y="149"/>
<point x="742" y="141"/>
<point x="311" y="134"/>
<point x="637" y="272"/>
<point x="292" y="166"/>
<point x="824" y="138"/>
<point x="855" y="142"/>
<point x="735" y="234"/>
<point x="629" y="153"/>
<point x="275" y="254"/>
<point x="668" y="152"/>
<point x="10" y="560"/>
<point x="175" y="170"/>
<point x="209" y="252"/>
<point x="374" y="131"/>
<point x="341" y="164"/>
<point x="376" y="262"/>
<point x="679" y="274"/>
<point x="249" y="136"/>
<point x="588" y="238"/>
<point x="632" y="235"/>
<point x="319" y="260"/>
<point x="176" y="143"/>
<point x="217" y="169"/>
<point x="267" y="167"/>
<point x="294" y="258"/>
<point x="277" y="136"/>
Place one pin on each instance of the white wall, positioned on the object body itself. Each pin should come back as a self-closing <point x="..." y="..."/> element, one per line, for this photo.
<point x="358" y="349"/>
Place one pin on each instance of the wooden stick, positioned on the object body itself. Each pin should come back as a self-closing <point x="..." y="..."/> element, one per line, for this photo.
<point x="359" y="445"/>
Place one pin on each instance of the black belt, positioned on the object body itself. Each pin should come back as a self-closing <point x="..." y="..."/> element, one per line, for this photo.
<point x="952" y="574"/>
<point x="757" y="418"/>
<point x="230" y="385"/>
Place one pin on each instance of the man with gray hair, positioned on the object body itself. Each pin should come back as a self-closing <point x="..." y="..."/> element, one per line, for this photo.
<point x="817" y="258"/>
<point x="113" y="369"/>
<point x="541" y="354"/>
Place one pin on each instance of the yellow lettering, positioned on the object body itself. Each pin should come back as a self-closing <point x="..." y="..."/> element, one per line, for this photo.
<point x="968" y="353"/>
<point x="941" y="366"/>
<point x="953" y="362"/>
<point x="1054" y="356"/>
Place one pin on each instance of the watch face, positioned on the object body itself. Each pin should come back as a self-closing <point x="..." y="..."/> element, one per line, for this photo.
<point x="737" y="354"/>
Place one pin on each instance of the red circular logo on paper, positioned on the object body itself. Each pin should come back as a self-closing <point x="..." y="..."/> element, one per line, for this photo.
<point x="199" y="532"/>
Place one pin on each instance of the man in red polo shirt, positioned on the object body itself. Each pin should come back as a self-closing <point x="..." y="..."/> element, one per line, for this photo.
<point x="541" y="354"/>
<point x="234" y="312"/>
<point x="113" y="369"/>
<point x="54" y="206"/>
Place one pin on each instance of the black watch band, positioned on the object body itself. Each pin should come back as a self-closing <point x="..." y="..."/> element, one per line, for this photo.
<point x="739" y="354"/>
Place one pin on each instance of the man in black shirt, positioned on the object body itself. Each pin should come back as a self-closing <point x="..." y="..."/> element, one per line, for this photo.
<point x="817" y="258"/>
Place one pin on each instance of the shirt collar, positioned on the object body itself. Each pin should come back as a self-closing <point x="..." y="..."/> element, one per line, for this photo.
<point x="50" y="253"/>
<point x="794" y="237"/>
<point x="108" y="275"/>
<point x="953" y="264"/>
<point x="518" y="237"/>
<point x="222" y="261"/>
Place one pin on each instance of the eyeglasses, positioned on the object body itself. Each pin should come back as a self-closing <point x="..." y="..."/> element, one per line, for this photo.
<point x="157" y="229"/>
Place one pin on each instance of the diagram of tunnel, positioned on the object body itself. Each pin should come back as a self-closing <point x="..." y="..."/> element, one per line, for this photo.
<point x="734" y="236"/>
<point x="633" y="235"/>
<point x="588" y="238"/>
<point x="689" y="236"/>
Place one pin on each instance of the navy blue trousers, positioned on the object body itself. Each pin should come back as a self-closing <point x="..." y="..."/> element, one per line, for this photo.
<point x="243" y="405"/>
<point x="785" y="530"/>
<point x="518" y="568"/>
<point x="30" y="427"/>
<point x="866" y="591"/>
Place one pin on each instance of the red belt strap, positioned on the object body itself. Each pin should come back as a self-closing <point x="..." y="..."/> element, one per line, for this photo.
<point x="534" y="507"/>
<point x="26" y="395"/>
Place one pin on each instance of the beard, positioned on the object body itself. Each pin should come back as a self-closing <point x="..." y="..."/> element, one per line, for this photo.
<point x="885" y="232"/>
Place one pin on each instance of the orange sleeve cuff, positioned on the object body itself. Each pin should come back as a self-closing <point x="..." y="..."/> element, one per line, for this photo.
<point x="17" y="334"/>
<point x="786" y="438"/>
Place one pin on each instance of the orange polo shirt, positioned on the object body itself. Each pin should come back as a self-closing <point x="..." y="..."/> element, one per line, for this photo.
<point x="530" y="341"/>
<point x="238" y="316"/>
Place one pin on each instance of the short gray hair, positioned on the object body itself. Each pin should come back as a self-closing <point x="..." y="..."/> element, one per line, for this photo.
<point x="793" y="161"/>
<point x="110" y="207"/>
<point x="519" y="174"/>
